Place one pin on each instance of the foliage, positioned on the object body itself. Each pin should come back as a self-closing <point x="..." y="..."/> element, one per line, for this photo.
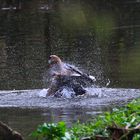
<point x="52" y="131"/>
<point x="125" y="117"/>
<point x="136" y="137"/>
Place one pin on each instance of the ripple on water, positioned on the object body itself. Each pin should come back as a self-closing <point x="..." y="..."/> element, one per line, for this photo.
<point x="94" y="97"/>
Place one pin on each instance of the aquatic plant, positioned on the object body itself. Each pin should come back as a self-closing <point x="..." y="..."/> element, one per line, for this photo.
<point x="52" y="131"/>
<point x="125" y="118"/>
<point x="136" y="137"/>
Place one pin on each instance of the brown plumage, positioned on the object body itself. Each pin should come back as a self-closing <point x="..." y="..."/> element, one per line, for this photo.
<point x="57" y="67"/>
<point x="60" y="72"/>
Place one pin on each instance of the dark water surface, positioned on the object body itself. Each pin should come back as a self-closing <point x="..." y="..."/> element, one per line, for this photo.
<point x="26" y="120"/>
<point x="101" y="37"/>
<point x="24" y="110"/>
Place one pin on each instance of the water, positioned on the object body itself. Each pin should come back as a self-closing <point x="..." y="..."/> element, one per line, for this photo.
<point x="24" y="110"/>
<point x="25" y="121"/>
<point x="102" y="96"/>
<point x="99" y="37"/>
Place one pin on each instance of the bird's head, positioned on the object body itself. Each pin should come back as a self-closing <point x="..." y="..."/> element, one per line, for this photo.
<point x="54" y="59"/>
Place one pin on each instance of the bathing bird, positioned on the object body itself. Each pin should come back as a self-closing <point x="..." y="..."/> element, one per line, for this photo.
<point x="60" y="68"/>
<point x="62" y="75"/>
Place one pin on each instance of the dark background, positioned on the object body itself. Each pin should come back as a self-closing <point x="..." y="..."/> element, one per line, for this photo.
<point x="102" y="37"/>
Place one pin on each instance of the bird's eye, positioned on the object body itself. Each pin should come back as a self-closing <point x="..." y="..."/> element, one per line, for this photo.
<point x="49" y="57"/>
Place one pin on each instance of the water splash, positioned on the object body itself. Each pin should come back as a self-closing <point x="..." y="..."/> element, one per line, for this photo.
<point x="42" y="93"/>
<point x="95" y="97"/>
<point x="67" y="92"/>
<point x="70" y="85"/>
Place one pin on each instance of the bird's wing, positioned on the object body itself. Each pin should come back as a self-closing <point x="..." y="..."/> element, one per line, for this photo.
<point x="73" y="69"/>
<point x="80" y="73"/>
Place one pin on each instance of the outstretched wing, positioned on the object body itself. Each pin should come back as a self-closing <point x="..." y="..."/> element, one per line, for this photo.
<point x="80" y="73"/>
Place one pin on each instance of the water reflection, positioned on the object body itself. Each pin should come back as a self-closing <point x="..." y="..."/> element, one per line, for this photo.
<point x="25" y="121"/>
<point x="99" y="36"/>
<point x="24" y="110"/>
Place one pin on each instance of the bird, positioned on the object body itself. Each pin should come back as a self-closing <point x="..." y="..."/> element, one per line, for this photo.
<point x="61" y="74"/>
<point x="60" y="68"/>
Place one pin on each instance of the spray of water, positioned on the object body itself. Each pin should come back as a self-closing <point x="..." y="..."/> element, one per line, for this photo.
<point x="77" y="77"/>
